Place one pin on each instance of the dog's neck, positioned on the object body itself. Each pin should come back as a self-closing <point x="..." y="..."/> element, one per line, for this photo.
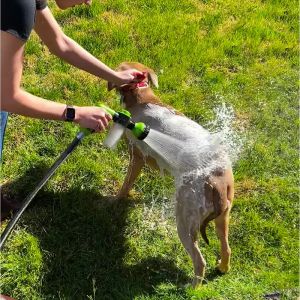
<point x="139" y="96"/>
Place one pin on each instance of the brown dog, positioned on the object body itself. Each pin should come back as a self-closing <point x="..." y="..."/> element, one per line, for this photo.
<point x="199" y="198"/>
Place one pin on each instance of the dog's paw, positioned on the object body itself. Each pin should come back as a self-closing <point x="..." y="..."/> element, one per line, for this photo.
<point x="223" y="268"/>
<point x="134" y="194"/>
<point x="197" y="282"/>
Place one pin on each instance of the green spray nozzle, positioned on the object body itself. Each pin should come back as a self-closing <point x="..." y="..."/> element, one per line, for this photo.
<point x="107" y="109"/>
<point x="123" y="117"/>
<point x="139" y="130"/>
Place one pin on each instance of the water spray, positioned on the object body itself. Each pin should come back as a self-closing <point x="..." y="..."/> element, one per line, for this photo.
<point x="122" y="120"/>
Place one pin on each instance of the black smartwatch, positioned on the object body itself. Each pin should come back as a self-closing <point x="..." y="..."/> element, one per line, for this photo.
<point x="70" y="113"/>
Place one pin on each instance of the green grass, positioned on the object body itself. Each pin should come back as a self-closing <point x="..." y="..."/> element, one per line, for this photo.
<point x="73" y="243"/>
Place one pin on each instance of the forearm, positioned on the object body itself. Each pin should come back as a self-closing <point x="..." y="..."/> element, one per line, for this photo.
<point x="25" y="104"/>
<point x="74" y="54"/>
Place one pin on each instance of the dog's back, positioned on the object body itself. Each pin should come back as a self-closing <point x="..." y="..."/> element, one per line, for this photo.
<point x="186" y="144"/>
<point x="164" y="119"/>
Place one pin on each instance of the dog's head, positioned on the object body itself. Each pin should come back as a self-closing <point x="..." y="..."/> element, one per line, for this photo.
<point x="151" y="77"/>
<point x="137" y="93"/>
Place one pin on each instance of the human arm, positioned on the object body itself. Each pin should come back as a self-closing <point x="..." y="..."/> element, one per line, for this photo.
<point x="63" y="4"/>
<point x="64" y="47"/>
<point x="16" y="100"/>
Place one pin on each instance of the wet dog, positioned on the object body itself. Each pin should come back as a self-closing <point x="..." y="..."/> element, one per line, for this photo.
<point x="200" y="197"/>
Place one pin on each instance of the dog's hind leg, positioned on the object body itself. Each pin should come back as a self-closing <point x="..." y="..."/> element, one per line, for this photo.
<point x="188" y="237"/>
<point x="222" y="223"/>
<point x="135" y="166"/>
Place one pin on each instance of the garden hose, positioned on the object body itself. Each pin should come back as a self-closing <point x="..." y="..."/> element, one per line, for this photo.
<point x="139" y="130"/>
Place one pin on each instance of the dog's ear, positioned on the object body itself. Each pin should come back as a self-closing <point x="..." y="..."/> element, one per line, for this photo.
<point x="111" y="86"/>
<point x="152" y="77"/>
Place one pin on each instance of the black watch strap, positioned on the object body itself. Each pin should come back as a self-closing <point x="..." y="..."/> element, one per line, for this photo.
<point x="69" y="113"/>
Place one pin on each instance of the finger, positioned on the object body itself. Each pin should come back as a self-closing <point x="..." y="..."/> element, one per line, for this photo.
<point x="98" y="127"/>
<point x="108" y="117"/>
<point x="104" y="121"/>
<point x="136" y="73"/>
<point x="101" y="127"/>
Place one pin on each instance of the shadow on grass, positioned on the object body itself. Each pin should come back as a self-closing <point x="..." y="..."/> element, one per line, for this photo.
<point x="82" y="236"/>
<point x="211" y="275"/>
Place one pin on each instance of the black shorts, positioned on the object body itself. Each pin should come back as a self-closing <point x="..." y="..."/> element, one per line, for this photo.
<point x="18" y="16"/>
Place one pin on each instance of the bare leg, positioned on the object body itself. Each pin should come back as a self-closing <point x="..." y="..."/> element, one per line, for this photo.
<point x="222" y="223"/>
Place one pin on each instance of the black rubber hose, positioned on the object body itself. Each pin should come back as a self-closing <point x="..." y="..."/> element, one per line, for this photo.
<point x="12" y="223"/>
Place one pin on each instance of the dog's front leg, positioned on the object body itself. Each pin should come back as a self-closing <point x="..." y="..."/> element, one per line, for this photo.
<point x="135" y="166"/>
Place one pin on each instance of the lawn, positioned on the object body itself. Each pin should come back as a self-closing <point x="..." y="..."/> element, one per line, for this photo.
<point x="73" y="242"/>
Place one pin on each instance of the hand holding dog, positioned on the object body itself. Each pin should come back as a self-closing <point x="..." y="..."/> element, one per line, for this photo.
<point x="128" y="76"/>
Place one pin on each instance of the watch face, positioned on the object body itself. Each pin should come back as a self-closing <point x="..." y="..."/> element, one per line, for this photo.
<point x="70" y="113"/>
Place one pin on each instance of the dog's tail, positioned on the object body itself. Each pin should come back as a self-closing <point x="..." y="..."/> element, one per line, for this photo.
<point x="211" y="193"/>
<point x="204" y="225"/>
<point x="221" y="195"/>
